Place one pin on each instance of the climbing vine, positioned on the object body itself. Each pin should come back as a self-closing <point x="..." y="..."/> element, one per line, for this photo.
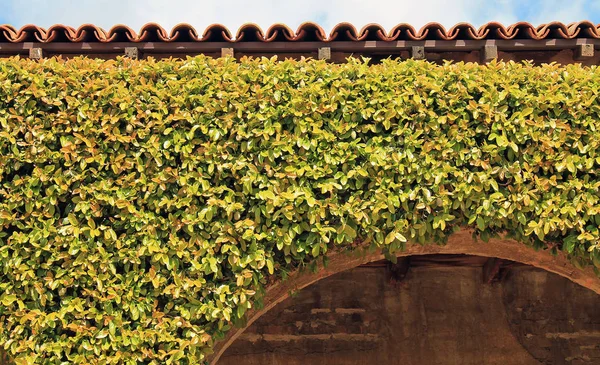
<point x="144" y="204"/>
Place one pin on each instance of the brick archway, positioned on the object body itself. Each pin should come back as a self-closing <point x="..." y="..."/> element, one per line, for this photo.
<point x="461" y="242"/>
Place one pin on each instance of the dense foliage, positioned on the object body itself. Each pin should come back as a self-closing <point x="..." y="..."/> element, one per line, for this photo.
<point x="143" y="204"/>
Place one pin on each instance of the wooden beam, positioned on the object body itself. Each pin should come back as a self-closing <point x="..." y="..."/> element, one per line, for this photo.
<point x="491" y="270"/>
<point x="397" y="272"/>
<point x="363" y="47"/>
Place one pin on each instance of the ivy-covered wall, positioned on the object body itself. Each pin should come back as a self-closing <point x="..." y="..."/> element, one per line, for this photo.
<point x="144" y="205"/>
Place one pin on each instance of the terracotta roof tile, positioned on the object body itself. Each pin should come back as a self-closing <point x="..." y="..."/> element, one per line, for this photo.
<point x="153" y="32"/>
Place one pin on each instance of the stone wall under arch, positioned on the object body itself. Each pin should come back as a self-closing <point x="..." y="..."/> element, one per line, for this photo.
<point x="461" y="242"/>
<point x="442" y="312"/>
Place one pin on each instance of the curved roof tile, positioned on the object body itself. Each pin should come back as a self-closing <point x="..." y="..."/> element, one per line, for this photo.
<point x="373" y="32"/>
<point x="249" y="33"/>
<point x="280" y="32"/>
<point x="183" y="33"/>
<point x="344" y="32"/>
<point x="308" y="31"/>
<point x="216" y="33"/>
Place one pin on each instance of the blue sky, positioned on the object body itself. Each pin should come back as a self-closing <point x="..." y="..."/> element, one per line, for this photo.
<point x="233" y="13"/>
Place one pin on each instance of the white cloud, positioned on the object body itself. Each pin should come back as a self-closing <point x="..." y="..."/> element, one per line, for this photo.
<point x="556" y="9"/>
<point x="233" y="13"/>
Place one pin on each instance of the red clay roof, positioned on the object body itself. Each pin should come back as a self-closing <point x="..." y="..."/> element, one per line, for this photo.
<point x="152" y="32"/>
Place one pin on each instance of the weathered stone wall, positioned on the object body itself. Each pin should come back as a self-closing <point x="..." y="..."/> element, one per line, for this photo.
<point x="556" y="321"/>
<point x="440" y="314"/>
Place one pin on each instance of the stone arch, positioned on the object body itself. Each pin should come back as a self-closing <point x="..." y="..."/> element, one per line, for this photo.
<point x="461" y="242"/>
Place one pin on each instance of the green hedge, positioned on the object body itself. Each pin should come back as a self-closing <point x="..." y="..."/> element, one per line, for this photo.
<point x="144" y="204"/>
